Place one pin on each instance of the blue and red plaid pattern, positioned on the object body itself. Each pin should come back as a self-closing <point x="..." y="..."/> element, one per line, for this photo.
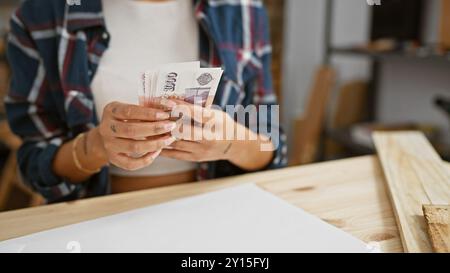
<point x="54" y="50"/>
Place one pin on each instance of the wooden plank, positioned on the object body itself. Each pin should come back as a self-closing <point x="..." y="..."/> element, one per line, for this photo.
<point x="438" y="220"/>
<point x="350" y="194"/>
<point x="445" y="24"/>
<point x="415" y="175"/>
<point x="351" y="108"/>
<point x="275" y="9"/>
<point x="308" y="129"/>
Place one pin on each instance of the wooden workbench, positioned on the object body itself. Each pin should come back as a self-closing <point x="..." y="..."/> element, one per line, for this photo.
<point x="350" y="194"/>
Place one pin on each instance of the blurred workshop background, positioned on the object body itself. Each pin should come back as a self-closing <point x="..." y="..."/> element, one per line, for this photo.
<point x="342" y="69"/>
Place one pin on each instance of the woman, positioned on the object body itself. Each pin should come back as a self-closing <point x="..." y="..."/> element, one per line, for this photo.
<point x="68" y="94"/>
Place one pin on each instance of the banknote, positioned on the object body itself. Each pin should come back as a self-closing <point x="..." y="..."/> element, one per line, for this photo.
<point x="185" y="81"/>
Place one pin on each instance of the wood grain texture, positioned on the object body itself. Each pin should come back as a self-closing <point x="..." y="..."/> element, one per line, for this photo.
<point x="438" y="221"/>
<point x="350" y="194"/>
<point x="415" y="175"/>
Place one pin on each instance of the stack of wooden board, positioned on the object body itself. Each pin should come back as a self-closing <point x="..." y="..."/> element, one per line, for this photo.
<point x="437" y="218"/>
<point x="416" y="176"/>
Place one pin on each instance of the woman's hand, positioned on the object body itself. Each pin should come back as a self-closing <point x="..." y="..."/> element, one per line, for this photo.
<point x="133" y="136"/>
<point x="213" y="135"/>
<point x="204" y="139"/>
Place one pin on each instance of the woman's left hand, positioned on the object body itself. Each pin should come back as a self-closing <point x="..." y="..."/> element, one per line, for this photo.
<point x="205" y="139"/>
<point x="213" y="136"/>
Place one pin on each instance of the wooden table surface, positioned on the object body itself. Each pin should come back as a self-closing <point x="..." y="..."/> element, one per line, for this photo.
<point x="350" y="194"/>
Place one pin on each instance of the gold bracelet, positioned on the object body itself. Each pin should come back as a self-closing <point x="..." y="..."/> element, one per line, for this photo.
<point x="77" y="161"/>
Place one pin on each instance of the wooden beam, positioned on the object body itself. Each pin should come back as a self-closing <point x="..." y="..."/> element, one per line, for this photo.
<point x="438" y="221"/>
<point x="444" y="32"/>
<point x="308" y="129"/>
<point x="415" y="175"/>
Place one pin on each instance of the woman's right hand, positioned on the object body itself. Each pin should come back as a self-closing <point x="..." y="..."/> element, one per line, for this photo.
<point x="133" y="136"/>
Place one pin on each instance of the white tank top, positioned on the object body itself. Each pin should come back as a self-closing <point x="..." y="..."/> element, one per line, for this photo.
<point x="144" y="35"/>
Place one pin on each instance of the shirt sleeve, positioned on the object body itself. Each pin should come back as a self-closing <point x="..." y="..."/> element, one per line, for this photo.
<point x="259" y="92"/>
<point x="32" y="117"/>
<point x="264" y="96"/>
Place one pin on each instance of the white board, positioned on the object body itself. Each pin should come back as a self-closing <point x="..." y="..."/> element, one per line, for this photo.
<point x="241" y="219"/>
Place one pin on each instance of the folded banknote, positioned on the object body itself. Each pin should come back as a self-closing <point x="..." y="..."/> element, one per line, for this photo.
<point x="185" y="81"/>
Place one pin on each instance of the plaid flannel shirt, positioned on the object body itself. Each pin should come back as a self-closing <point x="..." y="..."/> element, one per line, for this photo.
<point x="54" y="49"/>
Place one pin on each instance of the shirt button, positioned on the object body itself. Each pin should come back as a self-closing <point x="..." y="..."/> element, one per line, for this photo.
<point x="105" y="35"/>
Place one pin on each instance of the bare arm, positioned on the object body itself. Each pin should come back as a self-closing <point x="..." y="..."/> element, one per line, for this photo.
<point x="90" y="153"/>
<point x="254" y="157"/>
<point x="244" y="151"/>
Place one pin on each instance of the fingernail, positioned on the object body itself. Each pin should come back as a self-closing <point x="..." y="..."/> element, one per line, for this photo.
<point x="169" y="141"/>
<point x="168" y="103"/>
<point x="170" y="126"/>
<point x="162" y="115"/>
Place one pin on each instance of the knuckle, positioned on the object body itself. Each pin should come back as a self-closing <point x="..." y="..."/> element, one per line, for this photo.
<point x="110" y="106"/>
<point x="129" y="130"/>
<point x="107" y="108"/>
<point x="158" y="129"/>
<point x="128" y="112"/>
